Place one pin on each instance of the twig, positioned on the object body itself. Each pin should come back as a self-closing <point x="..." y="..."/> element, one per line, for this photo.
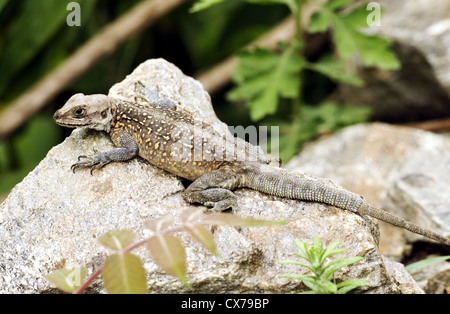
<point x="438" y="125"/>
<point x="105" y="42"/>
<point x="127" y="249"/>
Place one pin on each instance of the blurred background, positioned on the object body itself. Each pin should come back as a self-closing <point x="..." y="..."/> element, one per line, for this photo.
<point x="40" y="68"/>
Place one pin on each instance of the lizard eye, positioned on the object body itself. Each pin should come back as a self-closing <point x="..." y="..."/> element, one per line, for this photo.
<point x="79" y="112"/>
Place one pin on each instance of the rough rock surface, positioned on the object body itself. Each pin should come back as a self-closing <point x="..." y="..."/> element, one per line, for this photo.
<point x="400" y="169"/>
<point x="52" y="218"/>
<point x="424" y="26"/>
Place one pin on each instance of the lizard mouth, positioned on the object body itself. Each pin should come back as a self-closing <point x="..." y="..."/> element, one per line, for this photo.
<point x="71" y="124"/>
<point x="68" y="125"/>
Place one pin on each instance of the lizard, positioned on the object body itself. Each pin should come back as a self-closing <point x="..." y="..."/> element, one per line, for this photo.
<point x="153" y="128"/>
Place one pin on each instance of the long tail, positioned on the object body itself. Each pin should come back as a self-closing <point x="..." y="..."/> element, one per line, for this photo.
<point x="279" y="182"/>
<point x="385" y="216"/>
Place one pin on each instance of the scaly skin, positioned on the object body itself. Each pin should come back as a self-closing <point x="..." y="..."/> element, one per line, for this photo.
<point x="175" y="142"/>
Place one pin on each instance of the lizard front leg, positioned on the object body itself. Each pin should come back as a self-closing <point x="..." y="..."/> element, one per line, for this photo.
<point x="128" y="150"/>
<point x="213" y="189"/>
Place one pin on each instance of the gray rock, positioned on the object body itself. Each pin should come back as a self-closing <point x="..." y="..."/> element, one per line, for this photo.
<point x="433" y="279"/>
<point x="423" y="26"/>
<point x="51" y="220"/>
<point x="420" y="89"/>
<point x="399" y="169"/>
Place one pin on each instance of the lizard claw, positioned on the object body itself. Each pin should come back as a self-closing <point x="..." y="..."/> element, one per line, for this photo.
<point x="93" y="162"/>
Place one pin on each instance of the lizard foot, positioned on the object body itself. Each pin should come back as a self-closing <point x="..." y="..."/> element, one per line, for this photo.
<point x="95" y="162"/>
<point x="217" y="198"/>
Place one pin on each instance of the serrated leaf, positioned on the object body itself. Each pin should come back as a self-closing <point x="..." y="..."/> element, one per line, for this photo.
<point x="318" y="23"/>
<point x="264" y="76"/>
<point x="335" y="70"/>
<point x="67" y="280"/>
<point x="321" y="20"/>
<point x="233" y="220"/>
<point x="117" y="239"/>
<point x="373" y="50"/>
<point x="168" y="253"/>
<point x="124" y="274"/>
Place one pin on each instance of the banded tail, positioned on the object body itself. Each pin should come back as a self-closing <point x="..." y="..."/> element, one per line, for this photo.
<point x="282" y="183"/>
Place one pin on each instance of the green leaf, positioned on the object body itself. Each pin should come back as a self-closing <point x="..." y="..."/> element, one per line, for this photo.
<point x="264" y="76"/>
<point x="426" y="262"/>
<point x="373" y="50"/>
<point x="203" y="4"/>
<point x="323" y="279"/>
<point x="233" y="220"/>
<point x="319" y="23"/>
<point x="335" y="70"/>
<point x="331" y="250"/>
<point x="168" y="253"/>
<point x="335" y="265"/>
<point x="67" y="280"/>
<point x="124" y="274"/>
<point x="349" y="285"/>
<point x="117" y="239"/>
<point x="318" y="285"/>
<point x="326" y="286"/>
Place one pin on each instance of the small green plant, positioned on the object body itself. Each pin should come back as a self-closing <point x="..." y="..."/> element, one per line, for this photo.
<point x="426" y="262"/>
<point x="322" y="281"/>
<point x="273" y="82"/>
<point x="123" y="271"/>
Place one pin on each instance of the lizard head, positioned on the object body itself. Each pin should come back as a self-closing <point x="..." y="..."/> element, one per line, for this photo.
<point x="86" y="111"/>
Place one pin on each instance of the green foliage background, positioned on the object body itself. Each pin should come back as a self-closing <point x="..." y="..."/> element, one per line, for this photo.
<point x="34" y="39"/>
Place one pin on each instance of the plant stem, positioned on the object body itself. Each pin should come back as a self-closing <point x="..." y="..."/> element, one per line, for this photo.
<point x="127" y="249"/>
<point x="91" y="278"/>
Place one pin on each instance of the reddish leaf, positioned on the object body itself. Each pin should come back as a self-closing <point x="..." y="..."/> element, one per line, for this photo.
<point x="191" y="214"/>
<point x="117" y="239"/>
<point x="168" y="253"/>
<point x="204" y="236"/>
<point x="124" y="273"/>
<point x="159" y="224"/>
<point x="68" y="280"/>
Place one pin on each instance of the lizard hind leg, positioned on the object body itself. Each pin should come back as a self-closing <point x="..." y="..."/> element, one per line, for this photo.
<point x="213" y="189"/>
<point x="217" y="198"/>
